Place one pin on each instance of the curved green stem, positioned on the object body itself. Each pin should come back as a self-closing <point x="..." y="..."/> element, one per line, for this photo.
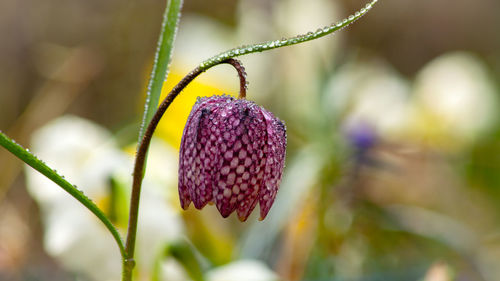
<point x="140" y="158"/>
<point x="157" y="83"/>
<point x="273" y="44"/>
<point x="159" y="74"/>
<point x="50" y="173"/>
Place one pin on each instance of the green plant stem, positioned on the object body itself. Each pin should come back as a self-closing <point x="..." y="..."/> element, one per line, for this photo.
<point x="50" y="173"/>
<point x="160" y="69"/>
<point x="140" y="157"/>
<point x="274" y="44"/>
<point x="225" y="57"/>
<point x="159" y="74"/>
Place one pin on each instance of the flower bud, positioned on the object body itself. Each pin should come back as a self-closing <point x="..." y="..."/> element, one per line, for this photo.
<point x="232" y="154"/>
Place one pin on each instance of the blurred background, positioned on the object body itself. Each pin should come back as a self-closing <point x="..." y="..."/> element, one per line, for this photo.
<point x="393" y="158"/>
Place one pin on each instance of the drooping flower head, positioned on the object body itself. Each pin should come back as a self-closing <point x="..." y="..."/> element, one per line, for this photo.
<point x="232" y="154"/>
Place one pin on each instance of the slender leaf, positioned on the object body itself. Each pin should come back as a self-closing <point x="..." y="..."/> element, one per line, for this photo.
<point x="30" y="159"/>
<point x="186" y="255"/>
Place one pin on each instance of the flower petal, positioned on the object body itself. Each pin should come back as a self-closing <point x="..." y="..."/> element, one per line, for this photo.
<point x="242" y="138"/>
<point x="275" y="151"/>
<point x="188" y="168"/>
<point x="232" y="153"/>
<point x="254" y="164"/>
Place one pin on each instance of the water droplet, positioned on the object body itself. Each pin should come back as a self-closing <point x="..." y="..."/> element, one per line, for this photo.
<point x="351" y="18"/>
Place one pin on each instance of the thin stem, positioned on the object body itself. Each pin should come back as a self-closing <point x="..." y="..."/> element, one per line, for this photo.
<point x="273" y="44"/>
<point x="241" y="74"/>
<point x="225" y="57"/>
<point x="140" y="157"/>
<point x="27" y="157"/>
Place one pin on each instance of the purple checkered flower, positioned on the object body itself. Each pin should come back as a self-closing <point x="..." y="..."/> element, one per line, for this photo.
<point x="232" y="154"/>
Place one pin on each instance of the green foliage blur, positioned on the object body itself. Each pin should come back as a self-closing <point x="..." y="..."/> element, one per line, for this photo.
<point x="393" y="158"/>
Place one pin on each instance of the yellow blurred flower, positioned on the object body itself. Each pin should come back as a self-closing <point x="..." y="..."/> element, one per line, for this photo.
<point x="172" y="125"/>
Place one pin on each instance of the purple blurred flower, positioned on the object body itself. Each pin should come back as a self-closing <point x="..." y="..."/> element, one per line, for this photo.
<point x="232" y="154"/>
<point x="362" y="136"/>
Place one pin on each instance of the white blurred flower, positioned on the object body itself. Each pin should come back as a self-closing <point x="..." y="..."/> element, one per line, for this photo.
<point x="454" y="95"/>
<point x="439" y="271"/>
<point x="72" y="144"/>
<point x="451" y="103"/>
<point x="171" y="270"/>
<point x="242" y="270"/>
<point x="303" y="66"/>
<point x="87" y="155"/>
<point x="200" y="38"/>
<point x="372" y="94"/>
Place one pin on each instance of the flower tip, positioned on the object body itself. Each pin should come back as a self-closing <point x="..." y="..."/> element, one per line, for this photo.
<point x="199" y="207"/>
<point x="185" y="206"/>
<point x="211" y="203"/>
<point x="185" y="202"/>
<point x="261" y="218"/>
<point x="242" y="218"/>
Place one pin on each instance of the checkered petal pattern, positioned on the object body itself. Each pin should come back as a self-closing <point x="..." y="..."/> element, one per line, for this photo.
<point x="232" y="154"/>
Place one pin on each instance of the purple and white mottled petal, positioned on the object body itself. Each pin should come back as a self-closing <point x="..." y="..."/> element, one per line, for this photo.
<point x="188" y="150"/>
<point x="186" y="158"/>
<point x="252" y="166"/>
<point x="275" y="159"/>
<point x="232" y="154"/>
<point x="201" y="171"/>
<point x="238" y="144"/>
